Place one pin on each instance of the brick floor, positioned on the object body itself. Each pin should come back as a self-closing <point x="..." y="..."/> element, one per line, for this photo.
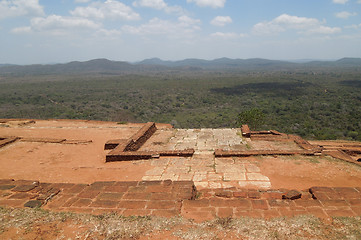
<point x="172" y="198"/>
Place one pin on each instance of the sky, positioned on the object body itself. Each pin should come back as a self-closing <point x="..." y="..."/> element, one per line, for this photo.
<point x="49" y="31"/>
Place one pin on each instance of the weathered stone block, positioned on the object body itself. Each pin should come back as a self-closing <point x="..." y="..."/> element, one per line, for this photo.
<point x="292" y="195"/>
<point x="33" y="204"/>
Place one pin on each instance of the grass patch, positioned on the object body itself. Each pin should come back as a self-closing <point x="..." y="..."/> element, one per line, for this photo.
<point x="57" y="225"/>
<point x="301" y="227"/>
<point x="313" y="159"/>
<point x="105" y="226"/>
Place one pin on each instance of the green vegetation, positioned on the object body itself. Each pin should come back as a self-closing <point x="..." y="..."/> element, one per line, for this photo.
<point x="323" y="104"/>
<point x="253" y="117"/>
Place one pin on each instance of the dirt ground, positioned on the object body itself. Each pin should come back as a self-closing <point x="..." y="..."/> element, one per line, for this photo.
<point x="302" y="172"/>
<point x="70" y="163"/>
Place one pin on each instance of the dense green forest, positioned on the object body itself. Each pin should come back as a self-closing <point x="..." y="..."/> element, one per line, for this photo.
<point x="314" y="104"/>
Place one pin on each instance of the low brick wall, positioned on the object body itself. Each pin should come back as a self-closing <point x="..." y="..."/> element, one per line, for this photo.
<point x="43" y="140"/>
<point x="350" y="150"/>
<point x="224" y="153"/>
<point x="246" y="132"/>
<point x="7" y="140"/>
<point x="178" y="153"/>
<point x="270" y="137"/>
<point x="173" y="198"/>
<point x="302" y="143"/>
<point x="134" y="142"/>
<point x="138" y="155"/>
<point x="140" y="137"/>
<point x="127" y="156"/>
<point x="126" y="150"/>
<point x="339" y="154"/>
<point x="111" y="144"/>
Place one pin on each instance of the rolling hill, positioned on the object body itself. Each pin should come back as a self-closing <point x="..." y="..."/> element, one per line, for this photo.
<point x="105" y="66"/>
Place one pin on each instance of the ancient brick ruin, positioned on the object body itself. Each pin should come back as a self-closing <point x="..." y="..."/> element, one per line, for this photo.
<point x="7" y="140"/>
<point x="126" y="149"/>
<point x="195" y="173"/>
<point x="172" y="198"/>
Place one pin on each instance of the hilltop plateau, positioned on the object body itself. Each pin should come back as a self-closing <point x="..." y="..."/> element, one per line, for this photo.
<point x="116" y="170"/>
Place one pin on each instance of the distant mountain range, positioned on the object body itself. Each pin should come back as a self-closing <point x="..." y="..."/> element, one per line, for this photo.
<point x="105" y="66"/>
<point x="216" y="63"/>
<point x="252" y="63"/>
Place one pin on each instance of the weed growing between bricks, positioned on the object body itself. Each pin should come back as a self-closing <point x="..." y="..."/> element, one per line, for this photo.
<point x="115" y="226"/>
<point x="85" y="226"/>
<point x="300" y="227"/>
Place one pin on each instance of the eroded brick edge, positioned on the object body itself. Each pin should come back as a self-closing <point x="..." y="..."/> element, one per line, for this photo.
<point x="126" y="149"/>
<point x="172" y="198"/>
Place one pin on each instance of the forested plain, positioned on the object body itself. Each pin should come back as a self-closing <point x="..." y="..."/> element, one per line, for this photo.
<point x="315" y="104"/>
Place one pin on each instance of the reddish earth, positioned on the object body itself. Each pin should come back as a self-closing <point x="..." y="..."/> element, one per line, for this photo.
<point x="72" y="163"/>
<point x="64" y="151"/>
<point x="304" y="172"/>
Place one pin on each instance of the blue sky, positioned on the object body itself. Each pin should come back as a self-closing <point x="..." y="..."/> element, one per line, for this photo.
<point x="36" y="31"/>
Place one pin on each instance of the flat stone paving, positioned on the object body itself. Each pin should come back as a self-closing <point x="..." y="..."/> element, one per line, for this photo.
<point x="204" y="139"/>
<point x="206" y="171"/>
<point x="173" y="198"/>
<point x="203" y="168"/>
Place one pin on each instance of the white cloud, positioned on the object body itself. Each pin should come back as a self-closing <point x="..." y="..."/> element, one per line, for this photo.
<point x="323" y="30"/>
<point x="82" y="1"/>
<point x="156" y="4"/>
<point x="359" y="1"/>
<point x="267" y="28"/>
<point x="159" y="5"/>
<point x="58" y="25"/>
<point x="295" y="22"/>
<point x="209" y="3"/>
<point x="109" y="9"/>
<point x="353" y="26"/>
<point x="57" y="22"/>
<point x="21" y="30"/>
<point x="15" y="8"/>
<point x="286" y="22"/>
<point x="108" y="34"/>
<point x="221" y="20"/>
<point x="183" y="28"/>
<point x="340" y="1"/>
<point x="227" y="35"/>
<point x="345" y="14"/>
<point x="189" y="22"/>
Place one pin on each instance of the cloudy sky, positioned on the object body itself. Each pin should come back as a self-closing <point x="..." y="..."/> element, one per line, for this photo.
<point x="47" y="31"/>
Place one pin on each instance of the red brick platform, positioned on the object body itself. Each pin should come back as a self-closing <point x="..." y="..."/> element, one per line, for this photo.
<point x="126" y="149"/>
<point x="322" y="202"/>
<point x="171" y="198"/>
